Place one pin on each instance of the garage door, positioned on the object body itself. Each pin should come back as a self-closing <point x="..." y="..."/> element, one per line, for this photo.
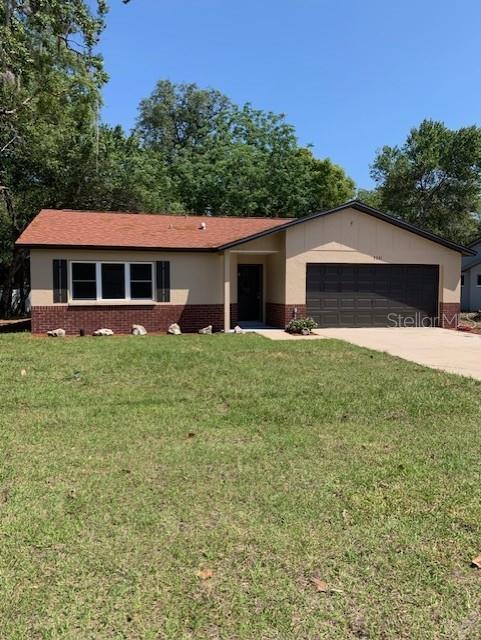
<point x="362" y="295"/>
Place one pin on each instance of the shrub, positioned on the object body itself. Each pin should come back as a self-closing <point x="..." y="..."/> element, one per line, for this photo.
<point x="301" y="325"/>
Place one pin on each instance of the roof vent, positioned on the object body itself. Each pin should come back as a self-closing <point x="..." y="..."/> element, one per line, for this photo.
<point x="202" y="226"/>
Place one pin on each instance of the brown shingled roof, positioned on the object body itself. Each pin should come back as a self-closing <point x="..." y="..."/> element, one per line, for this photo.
<point x="64" y="228"/>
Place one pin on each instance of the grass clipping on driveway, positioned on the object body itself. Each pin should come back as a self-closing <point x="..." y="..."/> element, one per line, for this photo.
<point x="231" y="487"/>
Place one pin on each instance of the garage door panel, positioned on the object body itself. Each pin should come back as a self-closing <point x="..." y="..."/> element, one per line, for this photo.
<point x="347" y="303"/>
<point x="328" y="303"/>
<point x="370" y="295"/>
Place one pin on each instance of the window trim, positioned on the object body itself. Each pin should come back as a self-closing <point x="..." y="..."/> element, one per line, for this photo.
<point x="98" y="282"/>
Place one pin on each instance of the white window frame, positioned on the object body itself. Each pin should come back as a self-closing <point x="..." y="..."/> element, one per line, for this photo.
<point x="98" y="282"/>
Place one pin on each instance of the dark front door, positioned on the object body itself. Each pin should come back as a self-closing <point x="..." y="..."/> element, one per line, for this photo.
<point x="249" y="292"/>
<point x="341" y="295"/>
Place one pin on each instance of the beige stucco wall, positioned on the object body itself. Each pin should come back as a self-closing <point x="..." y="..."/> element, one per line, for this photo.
<point x="354" y="237"/>
<point x="196" y="278"/>
<point x="270" y="253"/>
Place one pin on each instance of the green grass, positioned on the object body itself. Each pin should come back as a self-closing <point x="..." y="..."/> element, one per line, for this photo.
<point x="129" y="464"/>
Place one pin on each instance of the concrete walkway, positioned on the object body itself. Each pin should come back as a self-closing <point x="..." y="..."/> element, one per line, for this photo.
<point x="280" y="334"/>
<point x="452" y="351"/>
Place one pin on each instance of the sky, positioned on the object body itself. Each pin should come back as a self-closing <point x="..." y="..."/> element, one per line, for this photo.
<point x="350" y="75"/>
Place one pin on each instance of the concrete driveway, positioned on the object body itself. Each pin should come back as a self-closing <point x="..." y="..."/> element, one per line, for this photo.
<point x="452" y="351"/>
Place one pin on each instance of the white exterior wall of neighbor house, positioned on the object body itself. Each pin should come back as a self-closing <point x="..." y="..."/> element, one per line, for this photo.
<point x="353" y="237"/>
<point x="471" y="291"/>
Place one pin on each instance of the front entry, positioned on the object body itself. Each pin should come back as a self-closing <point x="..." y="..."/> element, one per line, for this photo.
<point x="249" y="292"/>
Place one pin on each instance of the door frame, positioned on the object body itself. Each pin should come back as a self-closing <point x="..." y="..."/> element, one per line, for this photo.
<point x="261" y="278"/>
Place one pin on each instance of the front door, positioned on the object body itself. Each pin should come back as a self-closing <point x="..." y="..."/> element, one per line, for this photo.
<point x="249" y="292"/>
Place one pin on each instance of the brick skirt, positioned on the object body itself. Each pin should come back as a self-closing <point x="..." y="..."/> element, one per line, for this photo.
<point x="279" y="315"/>
<point x="449" y="314"/>
<point x="157" y="318"/>
<point x="120" y="318"/>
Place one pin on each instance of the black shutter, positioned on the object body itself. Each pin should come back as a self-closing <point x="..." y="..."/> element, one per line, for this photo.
<point x="60" y="281"/>
<point x="163" y="281"/>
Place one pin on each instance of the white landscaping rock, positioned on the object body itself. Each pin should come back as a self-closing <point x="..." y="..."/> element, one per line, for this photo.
<point x="206" y="330"/>
<point x="238" y="329"/>
<point x="174" y="329"/>
<point x="56" y="333"/>
<point x="103" y="332"/>
<point x="138" y="330"/>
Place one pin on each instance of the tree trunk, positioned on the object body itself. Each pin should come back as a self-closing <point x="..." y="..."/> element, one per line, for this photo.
<point x="15" y="264"/>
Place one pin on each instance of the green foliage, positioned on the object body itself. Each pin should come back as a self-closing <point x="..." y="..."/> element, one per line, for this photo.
<point x="371" y="197"/>
<point x="235" y="160"/>
<point x="301" y="325"/>
<point x="434" y="179"/>
<point x="50" y="82"/>
<point x="119" y="175"/>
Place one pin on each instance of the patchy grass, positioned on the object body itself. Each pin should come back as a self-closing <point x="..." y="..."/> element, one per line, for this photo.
<point x="128" y="465"/>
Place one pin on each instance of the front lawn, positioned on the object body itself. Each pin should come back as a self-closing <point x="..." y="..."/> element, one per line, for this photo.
<point x="132" y="469"/>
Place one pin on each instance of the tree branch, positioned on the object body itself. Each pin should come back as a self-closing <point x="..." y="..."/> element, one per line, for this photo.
<point x="10" y="112"/>
<point x="5" y="146"/>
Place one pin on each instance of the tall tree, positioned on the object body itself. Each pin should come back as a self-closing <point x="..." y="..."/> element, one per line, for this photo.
<point x="50" y="82"/>
<point x="434" y="179"/>
<point x="235" y="160"/>
<point x="181" y="117"/>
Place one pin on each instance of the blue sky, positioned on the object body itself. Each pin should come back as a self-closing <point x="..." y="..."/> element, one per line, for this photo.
<point x="350" y="75"/>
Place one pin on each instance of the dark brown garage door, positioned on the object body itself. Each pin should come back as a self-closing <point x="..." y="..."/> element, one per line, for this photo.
<point x="341" y="295"/>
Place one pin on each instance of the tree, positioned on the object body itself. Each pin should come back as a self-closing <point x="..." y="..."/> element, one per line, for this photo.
<point x="233" y="160"/>
<point x="371" y="197"/>
<point x="50" y="82"/>
<point x="177" y="118"/>
<point x="120" y="175"/>
<point x="434" y="179"/>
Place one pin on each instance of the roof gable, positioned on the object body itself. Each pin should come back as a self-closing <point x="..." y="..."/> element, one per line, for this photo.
<point x="360" y="206"/>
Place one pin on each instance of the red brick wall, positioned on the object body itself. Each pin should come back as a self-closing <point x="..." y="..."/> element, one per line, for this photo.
<point x="279" y="315"/>
<point x="449" y="314"/>
<point x="120" y="319"/>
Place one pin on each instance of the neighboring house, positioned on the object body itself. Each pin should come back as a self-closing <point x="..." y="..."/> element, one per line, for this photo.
<point x="349" y="266"/>
<point x="471" y="279"/>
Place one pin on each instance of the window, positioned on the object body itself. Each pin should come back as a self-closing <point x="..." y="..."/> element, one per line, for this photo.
<point x="478" y="280"/>
<point x="112" y="281"/>
<point x="84" y="281"/>
<point x="140" y="281"/>
<point x="462" y="279"/>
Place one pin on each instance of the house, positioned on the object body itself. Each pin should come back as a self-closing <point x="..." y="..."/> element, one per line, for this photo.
<point x="349" y="266"/>
<point x="471" y="279"/>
